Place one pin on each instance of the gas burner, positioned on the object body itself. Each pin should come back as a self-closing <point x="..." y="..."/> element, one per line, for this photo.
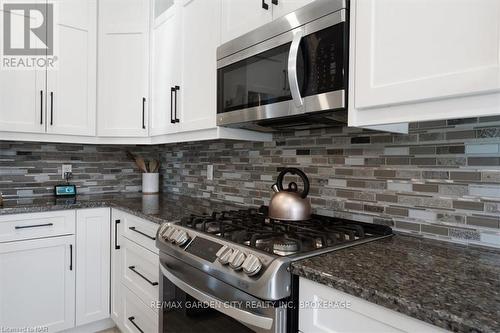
<point x="285" y="247"/>
<point x="255" y="229"/>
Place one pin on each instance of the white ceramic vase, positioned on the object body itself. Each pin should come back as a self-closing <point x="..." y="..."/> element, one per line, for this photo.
<point x="150" y="183"/>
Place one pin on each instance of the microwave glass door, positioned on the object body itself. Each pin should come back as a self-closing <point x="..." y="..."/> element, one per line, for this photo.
<point x="325" y="53"/>
<point x="258" y="80"/>
<point x="263" y="78"/>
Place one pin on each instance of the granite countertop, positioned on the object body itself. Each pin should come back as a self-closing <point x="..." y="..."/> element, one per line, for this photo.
<point x="156" y="208"/>
<point x="448" y="285"/>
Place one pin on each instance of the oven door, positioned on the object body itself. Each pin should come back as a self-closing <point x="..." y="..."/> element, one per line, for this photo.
<point x="192" y="301"/>
<point x="300" y="71"/>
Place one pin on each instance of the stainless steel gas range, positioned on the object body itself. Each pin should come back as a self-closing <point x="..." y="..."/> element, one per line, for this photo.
<point x="230" y="271"/>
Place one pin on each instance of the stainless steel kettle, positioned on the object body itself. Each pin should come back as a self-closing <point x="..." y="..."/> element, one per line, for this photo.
<point x="289" y="204"/>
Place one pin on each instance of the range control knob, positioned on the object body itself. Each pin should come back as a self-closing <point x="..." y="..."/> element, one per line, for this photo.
<point x="224" y="254"/>
<point x="236" y="259"/>
<point x="167" y="232"/>
<point x="251" y="265"/>
<point x="181" y="238"/>
<point x="173" y="235"/>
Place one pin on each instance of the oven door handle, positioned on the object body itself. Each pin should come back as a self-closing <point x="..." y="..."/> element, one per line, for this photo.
<point x="293" y="79"/>
<point x="240" y="315"/>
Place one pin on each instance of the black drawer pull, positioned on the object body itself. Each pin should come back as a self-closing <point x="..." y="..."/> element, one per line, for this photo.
<point x="132" y="268"/>
<point x="41" y="107"/>
<point x="70" y="257"/>
<point x="117" y="247"/>
<point x="140" y="232"/>
<point x="265" y="5"/>
<point x="172" y="92"/>
<point x="34" y="226"/>
<point x="275" y="2"/>
<point x="51" y="108"/>
<point x="131" y="319"/>
<point x="177" y="88"/>
<point x="144" y="113"/>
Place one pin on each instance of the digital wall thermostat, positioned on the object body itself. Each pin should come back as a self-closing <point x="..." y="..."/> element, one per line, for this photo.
<point x="65" y="190"/>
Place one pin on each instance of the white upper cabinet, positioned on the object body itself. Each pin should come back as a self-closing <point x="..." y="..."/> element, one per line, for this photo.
<point x="414" y="60"/>
<point x="123" y="70"/>
<point x="22" y="97"/>
<point x="60" y="100"/>
<point x="71" y="89"/>
<point x="197" y="93"/>
<point x="166" y="72"/>
<point x="184" y="74"/>
<point x="287" y="6"/>
<point x="242" y="16"/>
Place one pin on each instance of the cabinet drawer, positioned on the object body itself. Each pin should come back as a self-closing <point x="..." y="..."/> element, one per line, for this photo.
<point x="36" y="225"/>
<point x="137" y="316"/>
<point x="140" y="231"/>
<point x="140" y="271"/>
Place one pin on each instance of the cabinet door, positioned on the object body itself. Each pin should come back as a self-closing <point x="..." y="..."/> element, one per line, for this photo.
<point x="123" y="73"/>
<point x="287" y="6"/>
<point x="37" y="283"/>
<point x="197" y="96"/>
<point x="242" y="16"/>
<point x="441" y="56"/>
<point x="92" y="265"/>
<point x="71" y="89"/>
<point x="116" y="253"/>
<point x="22" y="97"/>
<point x="166" y="69"/>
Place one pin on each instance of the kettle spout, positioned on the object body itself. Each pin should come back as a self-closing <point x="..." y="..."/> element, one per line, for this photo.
<point x="275" y="188"/>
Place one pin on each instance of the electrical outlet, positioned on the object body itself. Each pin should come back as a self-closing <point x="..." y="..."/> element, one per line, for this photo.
<point x="66" y="168"/>
<point x="210" y="172"/>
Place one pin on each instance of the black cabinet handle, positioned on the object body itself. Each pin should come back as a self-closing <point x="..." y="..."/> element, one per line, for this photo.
<point x="275" y="2"/>
<point x="265" y="5"/>
<point x="33" y="226"/>
<point x="177" y="88"/>
<point x="131" y="319"/>
<point x="117" y="247"/>
<point x="143" y="112"/>
<point x="141" y="233"/>
<point x="51" y="108"/>
<point x="132" y="268"/>
<point x="172" y="92"/>
<point x="70" y="257"/>
<point x="41" y="107"/>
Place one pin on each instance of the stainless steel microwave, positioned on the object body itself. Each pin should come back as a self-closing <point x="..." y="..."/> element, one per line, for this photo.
<point x="288" y="74"/>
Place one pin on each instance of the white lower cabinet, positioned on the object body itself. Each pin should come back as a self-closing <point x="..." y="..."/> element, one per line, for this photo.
<point x="327" y="310"/>
<point x="137" y="316"/>
<point x="134" y="273"/>
<point x="37" y="283"/>
<point x="54" y="275"/>
<point x="92" y="265"/>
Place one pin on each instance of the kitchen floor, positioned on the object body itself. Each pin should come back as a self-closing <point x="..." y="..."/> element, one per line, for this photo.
<point x="111" y="330"/>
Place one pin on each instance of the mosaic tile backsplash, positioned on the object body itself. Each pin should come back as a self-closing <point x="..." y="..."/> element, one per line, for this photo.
<point x="442" y="180"/>
<point x="32" y="169"/>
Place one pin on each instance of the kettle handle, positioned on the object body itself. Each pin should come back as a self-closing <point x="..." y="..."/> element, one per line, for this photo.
<point x="294" y="171"/>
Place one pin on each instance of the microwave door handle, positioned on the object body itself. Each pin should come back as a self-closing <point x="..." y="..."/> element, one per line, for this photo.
<point x="240" y="315"/>
<point x="293" y="79"/>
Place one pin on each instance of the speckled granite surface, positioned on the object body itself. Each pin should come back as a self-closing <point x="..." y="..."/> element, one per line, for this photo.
<point x="156" y="208"/>
<point x="447" y="285"/>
